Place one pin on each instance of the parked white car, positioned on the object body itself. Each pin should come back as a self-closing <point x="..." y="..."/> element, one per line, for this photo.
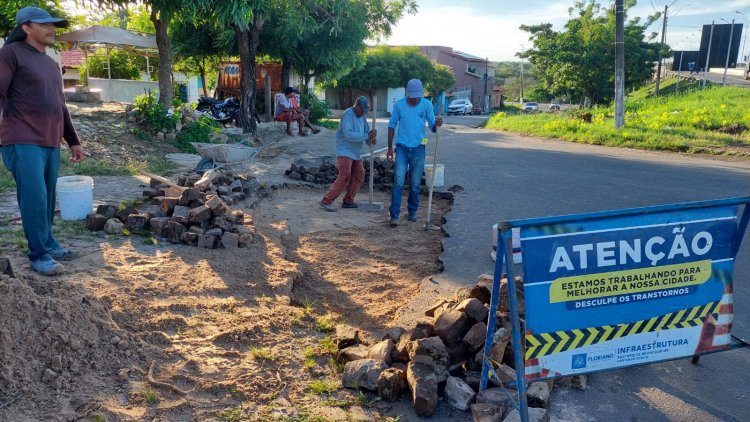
<point x="531" y="107"/>
<point x="463" y="106"/>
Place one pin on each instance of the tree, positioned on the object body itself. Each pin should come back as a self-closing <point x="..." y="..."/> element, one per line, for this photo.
<point x="246" y="18"/>
<point x="384" y="66"/>
<point x="579" y="61"/>
<point x="442" y="79"/>
<point x="161" y="13"/>
<point x="323" y="39"/>
<point x="196" y="44"/>
<point x="122" y="64"/>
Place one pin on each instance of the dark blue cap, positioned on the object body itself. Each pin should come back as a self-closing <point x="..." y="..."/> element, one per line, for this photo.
<point x="37" y="15"/>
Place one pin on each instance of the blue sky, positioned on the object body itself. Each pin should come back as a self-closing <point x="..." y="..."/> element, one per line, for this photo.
<point x="490" y="28"/>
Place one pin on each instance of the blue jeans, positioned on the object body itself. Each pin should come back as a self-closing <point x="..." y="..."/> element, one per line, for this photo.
<point x="34" y="168"/>
<point x="411" y="160"/>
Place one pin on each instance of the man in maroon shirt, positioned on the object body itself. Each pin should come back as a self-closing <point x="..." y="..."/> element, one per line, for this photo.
<point x="35" y="119"/>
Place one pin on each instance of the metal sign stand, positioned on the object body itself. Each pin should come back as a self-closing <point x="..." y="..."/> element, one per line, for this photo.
<point x="505" y="249"/>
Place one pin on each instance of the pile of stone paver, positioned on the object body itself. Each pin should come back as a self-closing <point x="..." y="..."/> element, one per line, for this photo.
<point x="443" y="355"/>
<point x="194" y="211"/>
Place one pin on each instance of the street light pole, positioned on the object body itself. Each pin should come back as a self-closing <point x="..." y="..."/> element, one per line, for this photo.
<point x="620" y="64"/>
<point x="729" y="49"/>
<point x="708" y="55"/>
<point x="744" y="44"/>
<point x="485" y="102"/>
<point x="520" y="94"/>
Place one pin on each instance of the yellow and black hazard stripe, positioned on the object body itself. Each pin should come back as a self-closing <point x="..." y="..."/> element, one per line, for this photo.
<point x="538" y="345"/>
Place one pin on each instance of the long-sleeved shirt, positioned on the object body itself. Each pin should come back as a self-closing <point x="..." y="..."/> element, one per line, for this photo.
<point x="32" y="99"/>
<point x="352" y="133"/>
<point x="411" y="121"/>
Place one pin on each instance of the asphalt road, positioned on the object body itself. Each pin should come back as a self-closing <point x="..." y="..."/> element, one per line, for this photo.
<point x="507" y="177"/>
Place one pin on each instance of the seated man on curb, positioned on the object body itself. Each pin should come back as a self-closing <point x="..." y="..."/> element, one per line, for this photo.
<point x="285" y="113"/>
<point x="303" y="111"/>
<point x="352" y="133"/>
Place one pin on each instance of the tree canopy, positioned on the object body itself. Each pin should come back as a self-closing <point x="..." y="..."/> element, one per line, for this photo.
<point x="579" y="61"/>
<point x="384" y="66"/>
<point x="9" y="8"/>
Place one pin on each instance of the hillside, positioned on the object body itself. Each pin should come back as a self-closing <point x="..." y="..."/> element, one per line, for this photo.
<point x="710" y="121"/>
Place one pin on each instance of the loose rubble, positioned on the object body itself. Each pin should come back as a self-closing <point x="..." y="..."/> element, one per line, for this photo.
<point x="443" y="357"/>
<point x="324" y="172"/>
<point x="195" y="211"/>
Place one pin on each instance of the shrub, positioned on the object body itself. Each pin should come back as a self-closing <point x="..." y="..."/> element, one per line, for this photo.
<point x="197" y="131"/>
<point x="123" y="64"/>
<point x="318" y="109"/>
<point x="155" y="115"/>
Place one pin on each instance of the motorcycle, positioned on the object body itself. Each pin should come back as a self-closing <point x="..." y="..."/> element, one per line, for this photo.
<point x="221" y="111"/>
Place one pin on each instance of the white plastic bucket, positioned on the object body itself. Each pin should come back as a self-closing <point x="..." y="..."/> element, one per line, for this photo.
<point x="76" y="196"/>
<point x="438" y="175"/>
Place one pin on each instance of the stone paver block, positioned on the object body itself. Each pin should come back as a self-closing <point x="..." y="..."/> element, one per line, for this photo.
<point x="391" y="383"/>
<point x="382" y="351"/>
<point x="458" y="394"/>
<point x="363" y="373"/>
<point x="476" y="336"/>
<point x="113" y="226"/>
<point x="230" y="240"/>
<point x="95" y="222"/>
<point x="424" y="388"/>
<point x="451" y="326"/>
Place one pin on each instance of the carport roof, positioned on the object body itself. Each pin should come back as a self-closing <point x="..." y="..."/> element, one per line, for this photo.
<point x="98" y="34"/>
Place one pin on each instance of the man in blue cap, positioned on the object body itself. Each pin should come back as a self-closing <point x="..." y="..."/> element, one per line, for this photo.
<point x="35" y="119"/>
<point x="353" y="132"/>
<point x="410" y="115"/>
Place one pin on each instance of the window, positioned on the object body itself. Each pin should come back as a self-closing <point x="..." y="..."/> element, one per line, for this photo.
<point x="471" y="68"/>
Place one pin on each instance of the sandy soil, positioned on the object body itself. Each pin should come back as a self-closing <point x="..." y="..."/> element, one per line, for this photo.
<point x="141" y="331"/>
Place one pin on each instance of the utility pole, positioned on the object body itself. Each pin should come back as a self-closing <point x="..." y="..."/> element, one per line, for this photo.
<point x="520" y="95"/>
<point x="679" y="73"/>
<point x="620" y="64"/>
<point x="663" y="40"/>
<point x="708" y="54"/>
<point x="729" y="48"/>
<point x="745" y="58"/>
<point x="486" y="105"/>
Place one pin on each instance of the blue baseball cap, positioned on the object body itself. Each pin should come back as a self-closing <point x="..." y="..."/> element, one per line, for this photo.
<point x="414" y="89"/>
<point x="37" y="15"/>
<point x="363" y="103"/>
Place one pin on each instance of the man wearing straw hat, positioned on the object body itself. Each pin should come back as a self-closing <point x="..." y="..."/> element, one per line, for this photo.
<point x="35" y="119"/>
<point x="410" y="115"/>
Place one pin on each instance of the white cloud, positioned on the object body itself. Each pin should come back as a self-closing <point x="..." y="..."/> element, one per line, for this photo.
<point x="491" y="29"/>
<point x="494" y="37"/>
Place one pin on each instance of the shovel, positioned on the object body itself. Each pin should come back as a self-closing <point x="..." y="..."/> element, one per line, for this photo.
<point x="428" y="224"/>
<point x="371" y="206"/>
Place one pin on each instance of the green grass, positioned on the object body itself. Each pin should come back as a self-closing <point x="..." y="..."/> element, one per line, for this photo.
<point x="688" y="121"/>
<point x="233" y="414"/>
<point x="65" y="230"/>
<point x="6" y="180"/>
<point x="328" y="123"/>
<point x="261" y="353"/>
<point x="325" y="324"/>
<point x="96" y="167"/>
<point x="322" y="386"/>
<point x="11" y="237"/>
<point x="150" y="396"/>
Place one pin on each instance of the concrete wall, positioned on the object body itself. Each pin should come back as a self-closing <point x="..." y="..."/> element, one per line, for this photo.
<point x="120" y="90"/>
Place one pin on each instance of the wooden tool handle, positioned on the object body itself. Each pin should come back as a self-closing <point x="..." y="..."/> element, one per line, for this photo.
<point x="372" y="147"/>
<point x="162" y="179"/>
